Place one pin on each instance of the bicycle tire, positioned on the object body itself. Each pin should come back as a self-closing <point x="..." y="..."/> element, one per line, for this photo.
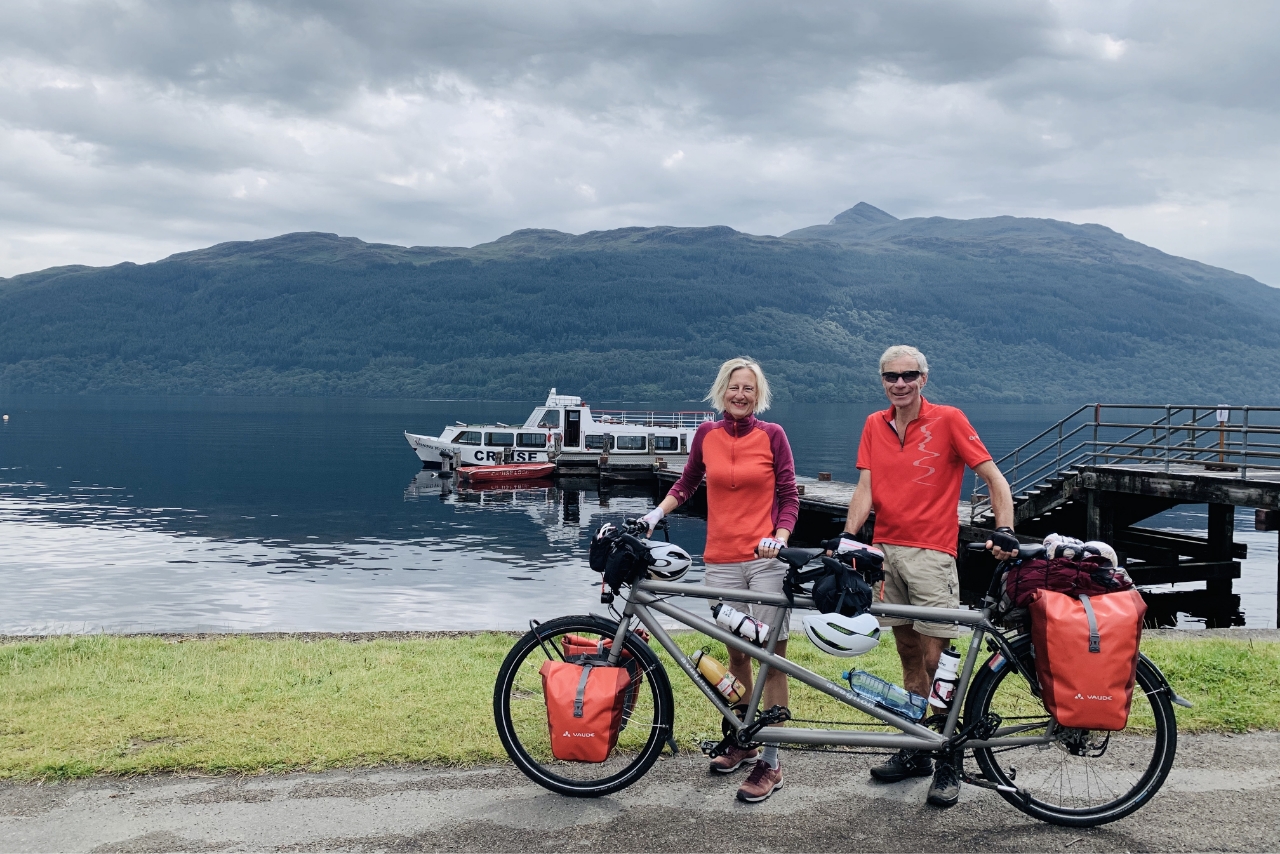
<point x="1055" y="785"/>
<point x="519" y="712"/>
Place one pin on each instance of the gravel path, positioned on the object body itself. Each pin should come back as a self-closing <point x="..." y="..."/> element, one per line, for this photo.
<point x="1223" y="795"/>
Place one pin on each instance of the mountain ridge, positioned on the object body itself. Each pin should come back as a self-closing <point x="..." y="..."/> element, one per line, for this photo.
<point x="647" y="312"/>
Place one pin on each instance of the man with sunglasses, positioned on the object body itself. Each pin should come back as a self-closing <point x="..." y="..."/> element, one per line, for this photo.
<point x="911" y="460"/>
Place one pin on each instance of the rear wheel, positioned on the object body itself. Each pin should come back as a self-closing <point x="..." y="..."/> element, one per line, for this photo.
<point x="1080" y="778"/>
<point x="519" y="709"/>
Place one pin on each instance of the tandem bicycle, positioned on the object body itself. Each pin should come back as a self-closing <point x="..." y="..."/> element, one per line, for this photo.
<point x="996" y="720"/>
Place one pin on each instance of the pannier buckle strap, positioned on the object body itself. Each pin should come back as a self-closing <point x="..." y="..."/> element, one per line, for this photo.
<point x="1095" y="641"/>
<point x="582" y="689"/>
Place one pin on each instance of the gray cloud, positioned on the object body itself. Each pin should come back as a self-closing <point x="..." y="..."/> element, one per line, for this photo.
<point x="129" y="130"/>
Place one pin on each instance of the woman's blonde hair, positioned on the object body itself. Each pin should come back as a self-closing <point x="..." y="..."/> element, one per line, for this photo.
<point x="720" y="387"/>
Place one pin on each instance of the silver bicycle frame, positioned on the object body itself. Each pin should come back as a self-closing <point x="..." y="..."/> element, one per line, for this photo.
<point x="647" y="597"/>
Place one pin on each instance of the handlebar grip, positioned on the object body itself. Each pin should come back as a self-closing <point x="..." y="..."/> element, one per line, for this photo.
<point x="977" y="547"/>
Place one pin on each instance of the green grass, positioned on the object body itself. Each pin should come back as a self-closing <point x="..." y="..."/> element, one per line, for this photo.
<point x="72" y="707"/>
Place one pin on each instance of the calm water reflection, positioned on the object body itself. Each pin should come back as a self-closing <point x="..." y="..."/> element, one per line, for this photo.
<point x="259" y="514"/>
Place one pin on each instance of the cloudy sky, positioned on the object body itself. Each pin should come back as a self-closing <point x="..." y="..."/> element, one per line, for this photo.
<point x="133" y="129"/>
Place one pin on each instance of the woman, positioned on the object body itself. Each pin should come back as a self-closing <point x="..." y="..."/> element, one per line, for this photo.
<point x="752" y="505"/>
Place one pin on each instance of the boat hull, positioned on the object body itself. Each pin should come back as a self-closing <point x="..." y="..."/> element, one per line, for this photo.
<point x="509" y="472"/>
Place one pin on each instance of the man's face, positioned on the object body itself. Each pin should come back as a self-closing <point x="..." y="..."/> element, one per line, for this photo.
<point x="902" y="391"/>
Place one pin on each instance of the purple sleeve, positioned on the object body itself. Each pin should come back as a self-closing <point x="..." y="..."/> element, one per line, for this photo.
<point x="694" y="467"/>
<point x="786" y="498"/>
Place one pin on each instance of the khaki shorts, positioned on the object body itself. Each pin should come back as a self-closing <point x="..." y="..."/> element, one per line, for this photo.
<point x="922" y="577"/>
<point x="764" y="575"/>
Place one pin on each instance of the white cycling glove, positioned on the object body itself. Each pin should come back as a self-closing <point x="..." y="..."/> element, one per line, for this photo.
<point x="652" y="518"/>
<point x="770" y="543"/>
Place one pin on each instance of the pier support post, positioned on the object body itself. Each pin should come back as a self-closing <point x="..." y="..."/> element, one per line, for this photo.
<point x="1222" y="530"/>
<point x="1099" y="519"/>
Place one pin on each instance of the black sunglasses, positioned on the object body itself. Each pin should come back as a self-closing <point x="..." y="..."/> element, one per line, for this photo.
<point x="910" y="376"/>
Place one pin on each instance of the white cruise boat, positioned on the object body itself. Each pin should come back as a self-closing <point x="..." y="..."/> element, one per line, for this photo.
<point x="564" y="430"/>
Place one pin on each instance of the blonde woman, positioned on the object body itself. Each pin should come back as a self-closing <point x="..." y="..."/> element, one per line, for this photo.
<point x="752" y="505"/>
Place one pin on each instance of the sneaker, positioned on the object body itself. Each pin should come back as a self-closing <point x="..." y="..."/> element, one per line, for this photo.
<point x="762" y="782"/>
<point x="729" y="762"/>
<point x="944" y="791"/>
<point x="902" y="765"/>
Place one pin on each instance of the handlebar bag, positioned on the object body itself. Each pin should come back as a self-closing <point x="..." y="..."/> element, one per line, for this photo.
<point x="584" y="708"/>
<point x="1086" y="652"/>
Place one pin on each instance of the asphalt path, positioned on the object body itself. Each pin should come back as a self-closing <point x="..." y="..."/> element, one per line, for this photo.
<point x="1222" y="795"/>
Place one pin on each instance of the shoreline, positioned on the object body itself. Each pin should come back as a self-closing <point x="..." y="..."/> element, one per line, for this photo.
<point x="1233" y="633"/>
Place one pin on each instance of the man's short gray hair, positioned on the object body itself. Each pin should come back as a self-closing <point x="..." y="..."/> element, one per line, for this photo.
<point x="898" y="351"/>
<point x="721" y="386"/>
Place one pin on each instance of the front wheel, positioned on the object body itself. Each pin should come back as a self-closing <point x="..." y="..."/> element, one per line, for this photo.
<point x="520" y="712"/>
<point x="1080" y="778"/>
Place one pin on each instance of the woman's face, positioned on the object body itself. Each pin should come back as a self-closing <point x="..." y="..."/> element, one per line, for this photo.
<point x="740" y="397"/>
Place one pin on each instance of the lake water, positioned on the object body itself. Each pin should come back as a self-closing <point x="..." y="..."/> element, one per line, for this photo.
<point x="232" y="514"/>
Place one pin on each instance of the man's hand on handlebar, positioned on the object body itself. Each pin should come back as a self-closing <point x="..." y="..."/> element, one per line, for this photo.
<point x="1003" y="544"/>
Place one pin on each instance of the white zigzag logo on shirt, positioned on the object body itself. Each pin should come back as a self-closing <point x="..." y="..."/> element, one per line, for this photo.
<point x="929" y="455"/>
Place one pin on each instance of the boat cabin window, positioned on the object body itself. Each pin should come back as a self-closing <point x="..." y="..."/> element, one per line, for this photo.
<point x="531" y="440"/>
<point x="666" y="443"/>
<point x="595" y="443"/>
<point x="500" y="440"/>
<point x="631" y="443"/>
<point x="468" y="437"/>
<point x="550" y="419"/>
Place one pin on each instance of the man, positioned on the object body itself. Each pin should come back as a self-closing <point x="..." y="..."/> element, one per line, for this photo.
<point x="911" y="459"/>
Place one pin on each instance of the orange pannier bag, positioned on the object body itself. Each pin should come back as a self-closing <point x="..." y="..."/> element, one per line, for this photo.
<point x="584" y="708"/>
<point x="1086" y="653"/>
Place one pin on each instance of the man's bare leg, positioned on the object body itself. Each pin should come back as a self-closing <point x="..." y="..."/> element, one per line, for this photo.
<point x="919" y="654"/>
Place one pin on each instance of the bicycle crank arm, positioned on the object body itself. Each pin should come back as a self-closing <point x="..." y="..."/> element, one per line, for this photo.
<point x="983" y="783"/>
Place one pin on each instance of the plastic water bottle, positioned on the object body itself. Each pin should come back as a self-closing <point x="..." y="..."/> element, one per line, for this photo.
<point x="742" y="624"/>
<point x="729" y="686"/>
<point x="945" y="680"/>
<point x="886" y="695"/>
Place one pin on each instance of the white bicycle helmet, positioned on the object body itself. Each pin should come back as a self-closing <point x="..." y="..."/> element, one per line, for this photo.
<point x="1102" y="550"/>
<point x="670" y="562"/>
<point x="836" y="634"/>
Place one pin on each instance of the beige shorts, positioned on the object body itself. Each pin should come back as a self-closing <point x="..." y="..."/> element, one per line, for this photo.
<point x="922" y="577"/>
<point x="764" y="575"/>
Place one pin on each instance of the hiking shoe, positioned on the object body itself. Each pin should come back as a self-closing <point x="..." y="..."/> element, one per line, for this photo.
<point x="734" y="759"/>
<point x="761" y="783"/>
<point x="944" y="791"/>
<point x="901" y="766"/>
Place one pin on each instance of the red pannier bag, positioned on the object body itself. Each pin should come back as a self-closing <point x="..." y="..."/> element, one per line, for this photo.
<point x="578" y="650"/>
<point x="584" y="708"/>
<point x="1087" y="655"/>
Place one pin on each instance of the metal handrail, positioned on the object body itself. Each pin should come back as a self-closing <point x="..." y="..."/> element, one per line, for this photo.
<point x="1199" y="440"/>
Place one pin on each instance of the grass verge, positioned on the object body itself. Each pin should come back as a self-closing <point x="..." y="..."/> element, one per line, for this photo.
<point x="77" y="706"/>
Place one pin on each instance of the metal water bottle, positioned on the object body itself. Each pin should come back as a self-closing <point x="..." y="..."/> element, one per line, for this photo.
<point x="729" y="686"/>
<point x="945" y="680"/>
<point x="742" y="624"/>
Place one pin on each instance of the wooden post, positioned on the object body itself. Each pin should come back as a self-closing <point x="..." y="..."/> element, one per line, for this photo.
<point x="1099" y="518"/>
<point x="1222" y="529"/>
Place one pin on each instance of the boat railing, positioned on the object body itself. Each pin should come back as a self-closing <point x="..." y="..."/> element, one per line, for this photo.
<point x="637" y="418"/>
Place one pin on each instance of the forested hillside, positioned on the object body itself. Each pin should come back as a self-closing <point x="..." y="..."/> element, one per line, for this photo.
<point x="1007" y="310"/>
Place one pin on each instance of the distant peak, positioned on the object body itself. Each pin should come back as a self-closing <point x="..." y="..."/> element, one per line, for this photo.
<point x="863" y="214"/>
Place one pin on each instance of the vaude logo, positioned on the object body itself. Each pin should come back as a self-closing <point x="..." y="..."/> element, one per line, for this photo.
<point x="1103" y="697"/>
<point x="568" y="734"/>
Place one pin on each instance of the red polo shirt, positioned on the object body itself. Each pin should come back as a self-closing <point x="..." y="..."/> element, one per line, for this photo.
<point x="915" y="479"/>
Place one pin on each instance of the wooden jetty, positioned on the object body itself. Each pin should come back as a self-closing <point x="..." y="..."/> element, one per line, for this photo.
<point x="1100" y="472"/>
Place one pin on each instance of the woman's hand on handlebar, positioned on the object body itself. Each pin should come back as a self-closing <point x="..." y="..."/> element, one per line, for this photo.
<point x="770" y="546"/>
